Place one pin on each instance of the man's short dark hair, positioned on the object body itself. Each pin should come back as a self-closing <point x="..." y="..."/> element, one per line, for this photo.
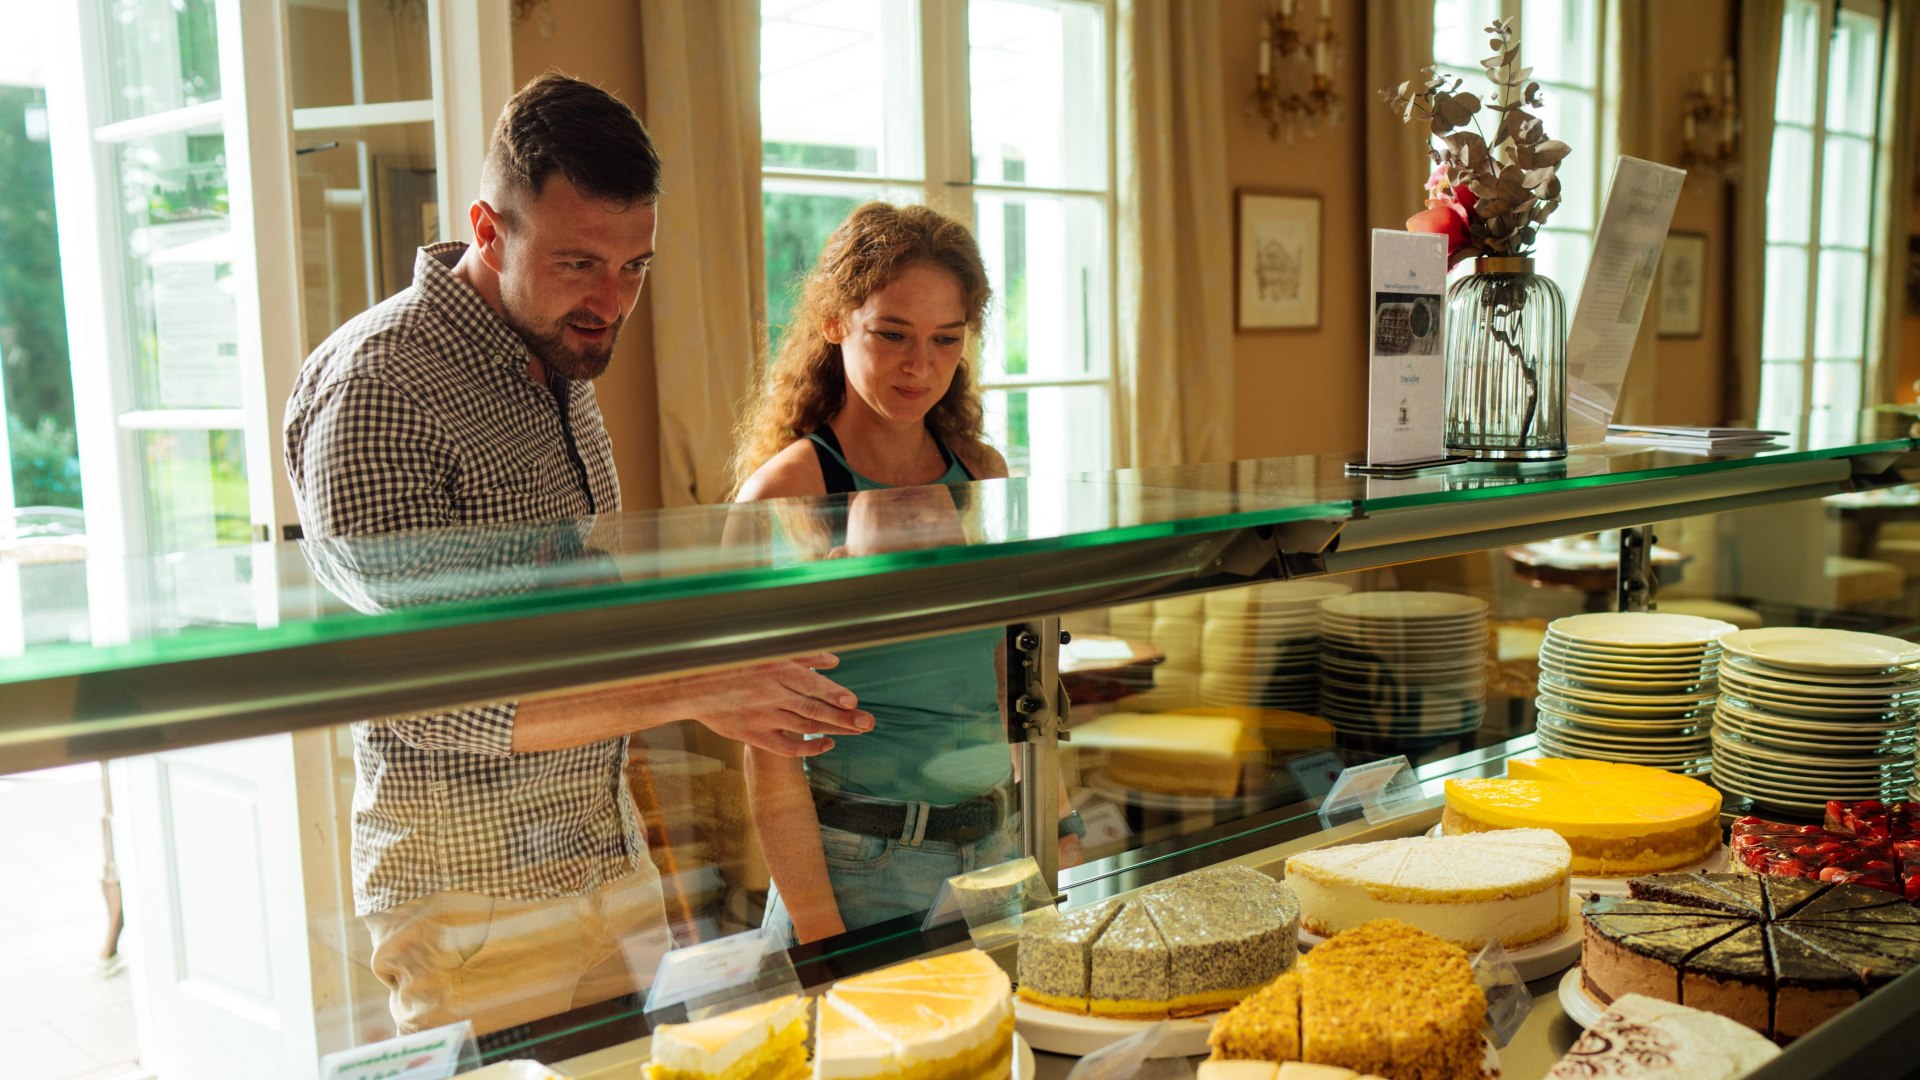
<point x="558" y="124"/>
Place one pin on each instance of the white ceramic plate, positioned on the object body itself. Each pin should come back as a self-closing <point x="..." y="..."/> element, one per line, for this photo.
<point x="1816" y="711"/>
<point x="1633" y="730"/>
<point x="1404" y="605"/>
<point x="1894" y="681"/>
<point x="1819" y="650"/>
<point x="1629" y="654"/>
<point x="1824" y="742"/>
<point x="1024" y="1067"/>
<point x="1581" y="1007"/>
<point x="1811" y="725"/>
<point x="1838" y="692"/>
<point x="1583" y="709"/>
<point x="1809" y="797"/>
<point x="1535" y="961"/>
<point x="1078" y="1036"/>
<point x="1640" y="629"/>
<point x="1832" y="777"/>
<point x="1273" y="596"/>
<point x="1672" y="672"/>
<point x="1624" y="684"/>
<point x="1561" y="688"/>
<point x="1757" y="752"/>
<point x="1568" y="732"/>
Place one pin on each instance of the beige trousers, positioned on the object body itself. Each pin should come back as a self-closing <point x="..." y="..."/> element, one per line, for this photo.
<point x="460" y="956"/>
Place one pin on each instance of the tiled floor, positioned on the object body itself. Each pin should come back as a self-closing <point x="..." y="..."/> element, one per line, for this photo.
<point x="58" y="1019"/>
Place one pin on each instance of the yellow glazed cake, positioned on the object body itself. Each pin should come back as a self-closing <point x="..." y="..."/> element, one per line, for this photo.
<point x="761" y="1042"/>
<point x="1509" y="886"/>
<point x="1382" y="998"/>
<point x="1199" y="751"/>
<point x="945" y="1018"/>
<point x="1620" y="820"/>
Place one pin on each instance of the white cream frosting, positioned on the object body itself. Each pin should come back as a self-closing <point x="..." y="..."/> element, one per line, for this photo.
<point x="854" y="1045"/>
<point x="715" y="1044"/>
<point x="1521" y="876"/>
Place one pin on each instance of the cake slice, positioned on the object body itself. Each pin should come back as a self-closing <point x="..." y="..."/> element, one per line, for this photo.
<point x="1131" y="965"/>
<point x="1056" y="956"/>
<point x="1723" y="892"/>
<point x="1809" y="985"/>
<point x="1732" y="977"/>
<point x="1227" y="933"/>
<point x="1642" y="1037"/>
<point x="1786" y="896"/>
<point x="761" y="1042"/>
<point x="947" y="1017"/>
<point x="1640" y="946"/>
<point x="1263" y="1027"/>
<point x="1508" y="886"/>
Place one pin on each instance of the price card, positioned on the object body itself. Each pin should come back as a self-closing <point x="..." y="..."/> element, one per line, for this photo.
<point x="723" y="974"/>
<point x="1121" y="1060"/>
<point x="995" y="901"/>
<point x="1508" y="999"/>
<point x="1379" y="791"/>
<point x="423" y="1055"/>
<point x="1105" y="823"/>
<point x="1316" y="772"/>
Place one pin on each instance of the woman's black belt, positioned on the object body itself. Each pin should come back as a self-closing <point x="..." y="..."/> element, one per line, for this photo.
<point x="915" y="822"/>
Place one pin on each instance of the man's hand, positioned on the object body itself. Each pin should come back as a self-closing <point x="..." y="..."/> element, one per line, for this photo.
<point x="772" y="706"/>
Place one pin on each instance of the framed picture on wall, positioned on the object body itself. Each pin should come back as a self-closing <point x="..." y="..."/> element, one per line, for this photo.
<point x="1277" y="250"/>
<point x="1683" y="285"/>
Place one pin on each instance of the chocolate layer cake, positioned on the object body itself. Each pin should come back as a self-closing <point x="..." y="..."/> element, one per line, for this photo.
<point x="1780" y="955"/>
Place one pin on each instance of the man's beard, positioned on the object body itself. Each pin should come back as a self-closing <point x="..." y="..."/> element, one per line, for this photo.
<point x="550" y="344"/>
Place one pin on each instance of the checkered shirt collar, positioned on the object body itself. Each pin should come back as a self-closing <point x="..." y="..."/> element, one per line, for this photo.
<point x="462" y="308"/>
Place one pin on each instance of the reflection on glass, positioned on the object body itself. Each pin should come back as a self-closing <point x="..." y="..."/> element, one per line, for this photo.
<point x="840" y="87"/>
<point x="1079" y="444"/>
<point x="358" y="52"/>
<point x="180" y="271"/>
<point x="1780" y="395"/>
<point x="367" y="202"/>
<point x="196" y="489"/>
<point x="1046" y="257"/>
<point x="1837" y="387"/>
<point x="164" y="54"/>
<point x="1784" y="327"/>
<point x="1790" y="187"/>
<point x="1846" y="192"/>
<point x="1039" y="108"/>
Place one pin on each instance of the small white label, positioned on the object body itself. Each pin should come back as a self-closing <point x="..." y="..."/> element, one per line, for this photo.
<point x="709" y="968"/>
<point x="1105" y="823"/>
<point x="1406" y="399"/>
<point x="1316" y="772"/>
<point x="1380" y="790"/>
<point x="423" y="1055"/>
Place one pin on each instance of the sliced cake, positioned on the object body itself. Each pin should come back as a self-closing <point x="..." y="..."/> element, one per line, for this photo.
<point x="1131" y="968"/>
<point x="947" y="1017"/>
<point x="761" y="1042"/>
<point x="1056" y="956"/>
<point x="1658" y="1040"/>
<point x="1509" y="886"/>
<point x="1618" y="819"/>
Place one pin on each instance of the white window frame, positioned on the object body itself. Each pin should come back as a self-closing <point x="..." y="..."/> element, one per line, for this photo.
<point x="947" y="155"/>
<point x="1815" y="244"/>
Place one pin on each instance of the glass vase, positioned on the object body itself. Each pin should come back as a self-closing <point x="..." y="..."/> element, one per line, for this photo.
<point x="1506" y="364"/>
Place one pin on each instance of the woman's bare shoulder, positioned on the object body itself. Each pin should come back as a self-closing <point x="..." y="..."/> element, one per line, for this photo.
<point x="983" y="461"/>
<point x="791" y="472"/>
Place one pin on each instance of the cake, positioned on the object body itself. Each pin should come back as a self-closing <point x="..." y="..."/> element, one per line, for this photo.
<point x="1509" y="886"/>
<point x="1223" y="1069"/>
<point x="1866" y="843"/>
<point x="1618" y="819"/>
<point x="1643" y="1037"/>
<point x="1194" y="944"/>
<point x="761" y="1042"/>
<point x="948" y="1017"/>
<point x="1384" y="998"/>
<point x="1778" y="954"/>
<point x="1198" y="751"/>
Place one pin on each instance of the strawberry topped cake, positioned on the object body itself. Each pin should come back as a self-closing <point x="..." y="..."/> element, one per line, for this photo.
<point x="1867" y="843"/>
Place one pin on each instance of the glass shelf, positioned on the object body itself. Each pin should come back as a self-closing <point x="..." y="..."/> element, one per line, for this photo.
<point x="223" y="642"/>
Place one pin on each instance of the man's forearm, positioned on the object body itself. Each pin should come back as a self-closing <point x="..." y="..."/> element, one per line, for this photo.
<point x="590" y="716"/>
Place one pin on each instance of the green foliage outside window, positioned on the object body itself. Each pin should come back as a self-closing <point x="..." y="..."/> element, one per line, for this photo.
<point x="797" y="227"/>
<point x="33" y="321"/>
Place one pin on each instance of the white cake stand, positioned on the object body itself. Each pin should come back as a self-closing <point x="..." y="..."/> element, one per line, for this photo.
<point x="1024" y="1067"/>
<point x="1069" y="1033"/>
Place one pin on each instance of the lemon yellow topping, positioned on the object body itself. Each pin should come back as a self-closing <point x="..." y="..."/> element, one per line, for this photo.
<point x="1585" y="798"/>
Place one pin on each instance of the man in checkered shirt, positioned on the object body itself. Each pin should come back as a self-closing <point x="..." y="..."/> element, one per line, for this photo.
<point x="496" y="853"/>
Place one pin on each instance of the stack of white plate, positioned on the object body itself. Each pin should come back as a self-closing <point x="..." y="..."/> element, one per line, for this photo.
<point x="1403" y="663"/>
<point x="1807" y="715"/>
<point x="1173" y="627"/>
<point x="1260" y="645"/>
<point x="1636" y="687"/>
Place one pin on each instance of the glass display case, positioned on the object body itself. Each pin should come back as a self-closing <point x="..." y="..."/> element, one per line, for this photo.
<point x="1124" y="677"/>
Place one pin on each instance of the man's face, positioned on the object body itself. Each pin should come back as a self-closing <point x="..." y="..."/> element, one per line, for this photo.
<point x="571" y="268"/>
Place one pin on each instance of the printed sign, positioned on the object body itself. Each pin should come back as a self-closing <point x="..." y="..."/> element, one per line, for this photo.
<point x="423" y="1055"/>
<point x="1407" y="344"/>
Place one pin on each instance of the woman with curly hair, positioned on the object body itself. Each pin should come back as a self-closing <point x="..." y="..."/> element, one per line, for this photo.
<point x="873" y="390"/>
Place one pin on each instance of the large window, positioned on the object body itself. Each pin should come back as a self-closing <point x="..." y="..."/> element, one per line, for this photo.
<point x="995" y="111"/>
<point x="1819" y="220"/>
<point x="1562" y="41"/>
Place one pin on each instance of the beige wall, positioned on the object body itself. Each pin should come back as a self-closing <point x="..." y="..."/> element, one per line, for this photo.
<point x="599" y="40"/>
<point x="1298" y="391"/>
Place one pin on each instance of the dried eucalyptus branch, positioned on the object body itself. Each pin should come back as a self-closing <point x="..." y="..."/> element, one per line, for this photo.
<point x="1488" y="196"/>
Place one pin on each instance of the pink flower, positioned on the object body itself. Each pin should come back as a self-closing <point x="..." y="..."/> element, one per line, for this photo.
<point x="1449" y="208"/>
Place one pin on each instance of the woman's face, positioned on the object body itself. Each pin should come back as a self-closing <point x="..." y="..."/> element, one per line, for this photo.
<point x="901" y="347"/>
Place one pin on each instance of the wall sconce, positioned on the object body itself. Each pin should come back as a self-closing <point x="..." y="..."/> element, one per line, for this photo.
<point x="1710" y="124"/>
<point x="1284" y="47"/>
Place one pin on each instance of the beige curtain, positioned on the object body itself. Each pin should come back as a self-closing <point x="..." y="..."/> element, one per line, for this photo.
<point x="1631" y="63"/>
<point x="1887" y="286"/>
<point x="1176" y="235"/>
<point x="1759" y="62"/>
<point x="1399" y="44"/>
<point x="709" y="316"/>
